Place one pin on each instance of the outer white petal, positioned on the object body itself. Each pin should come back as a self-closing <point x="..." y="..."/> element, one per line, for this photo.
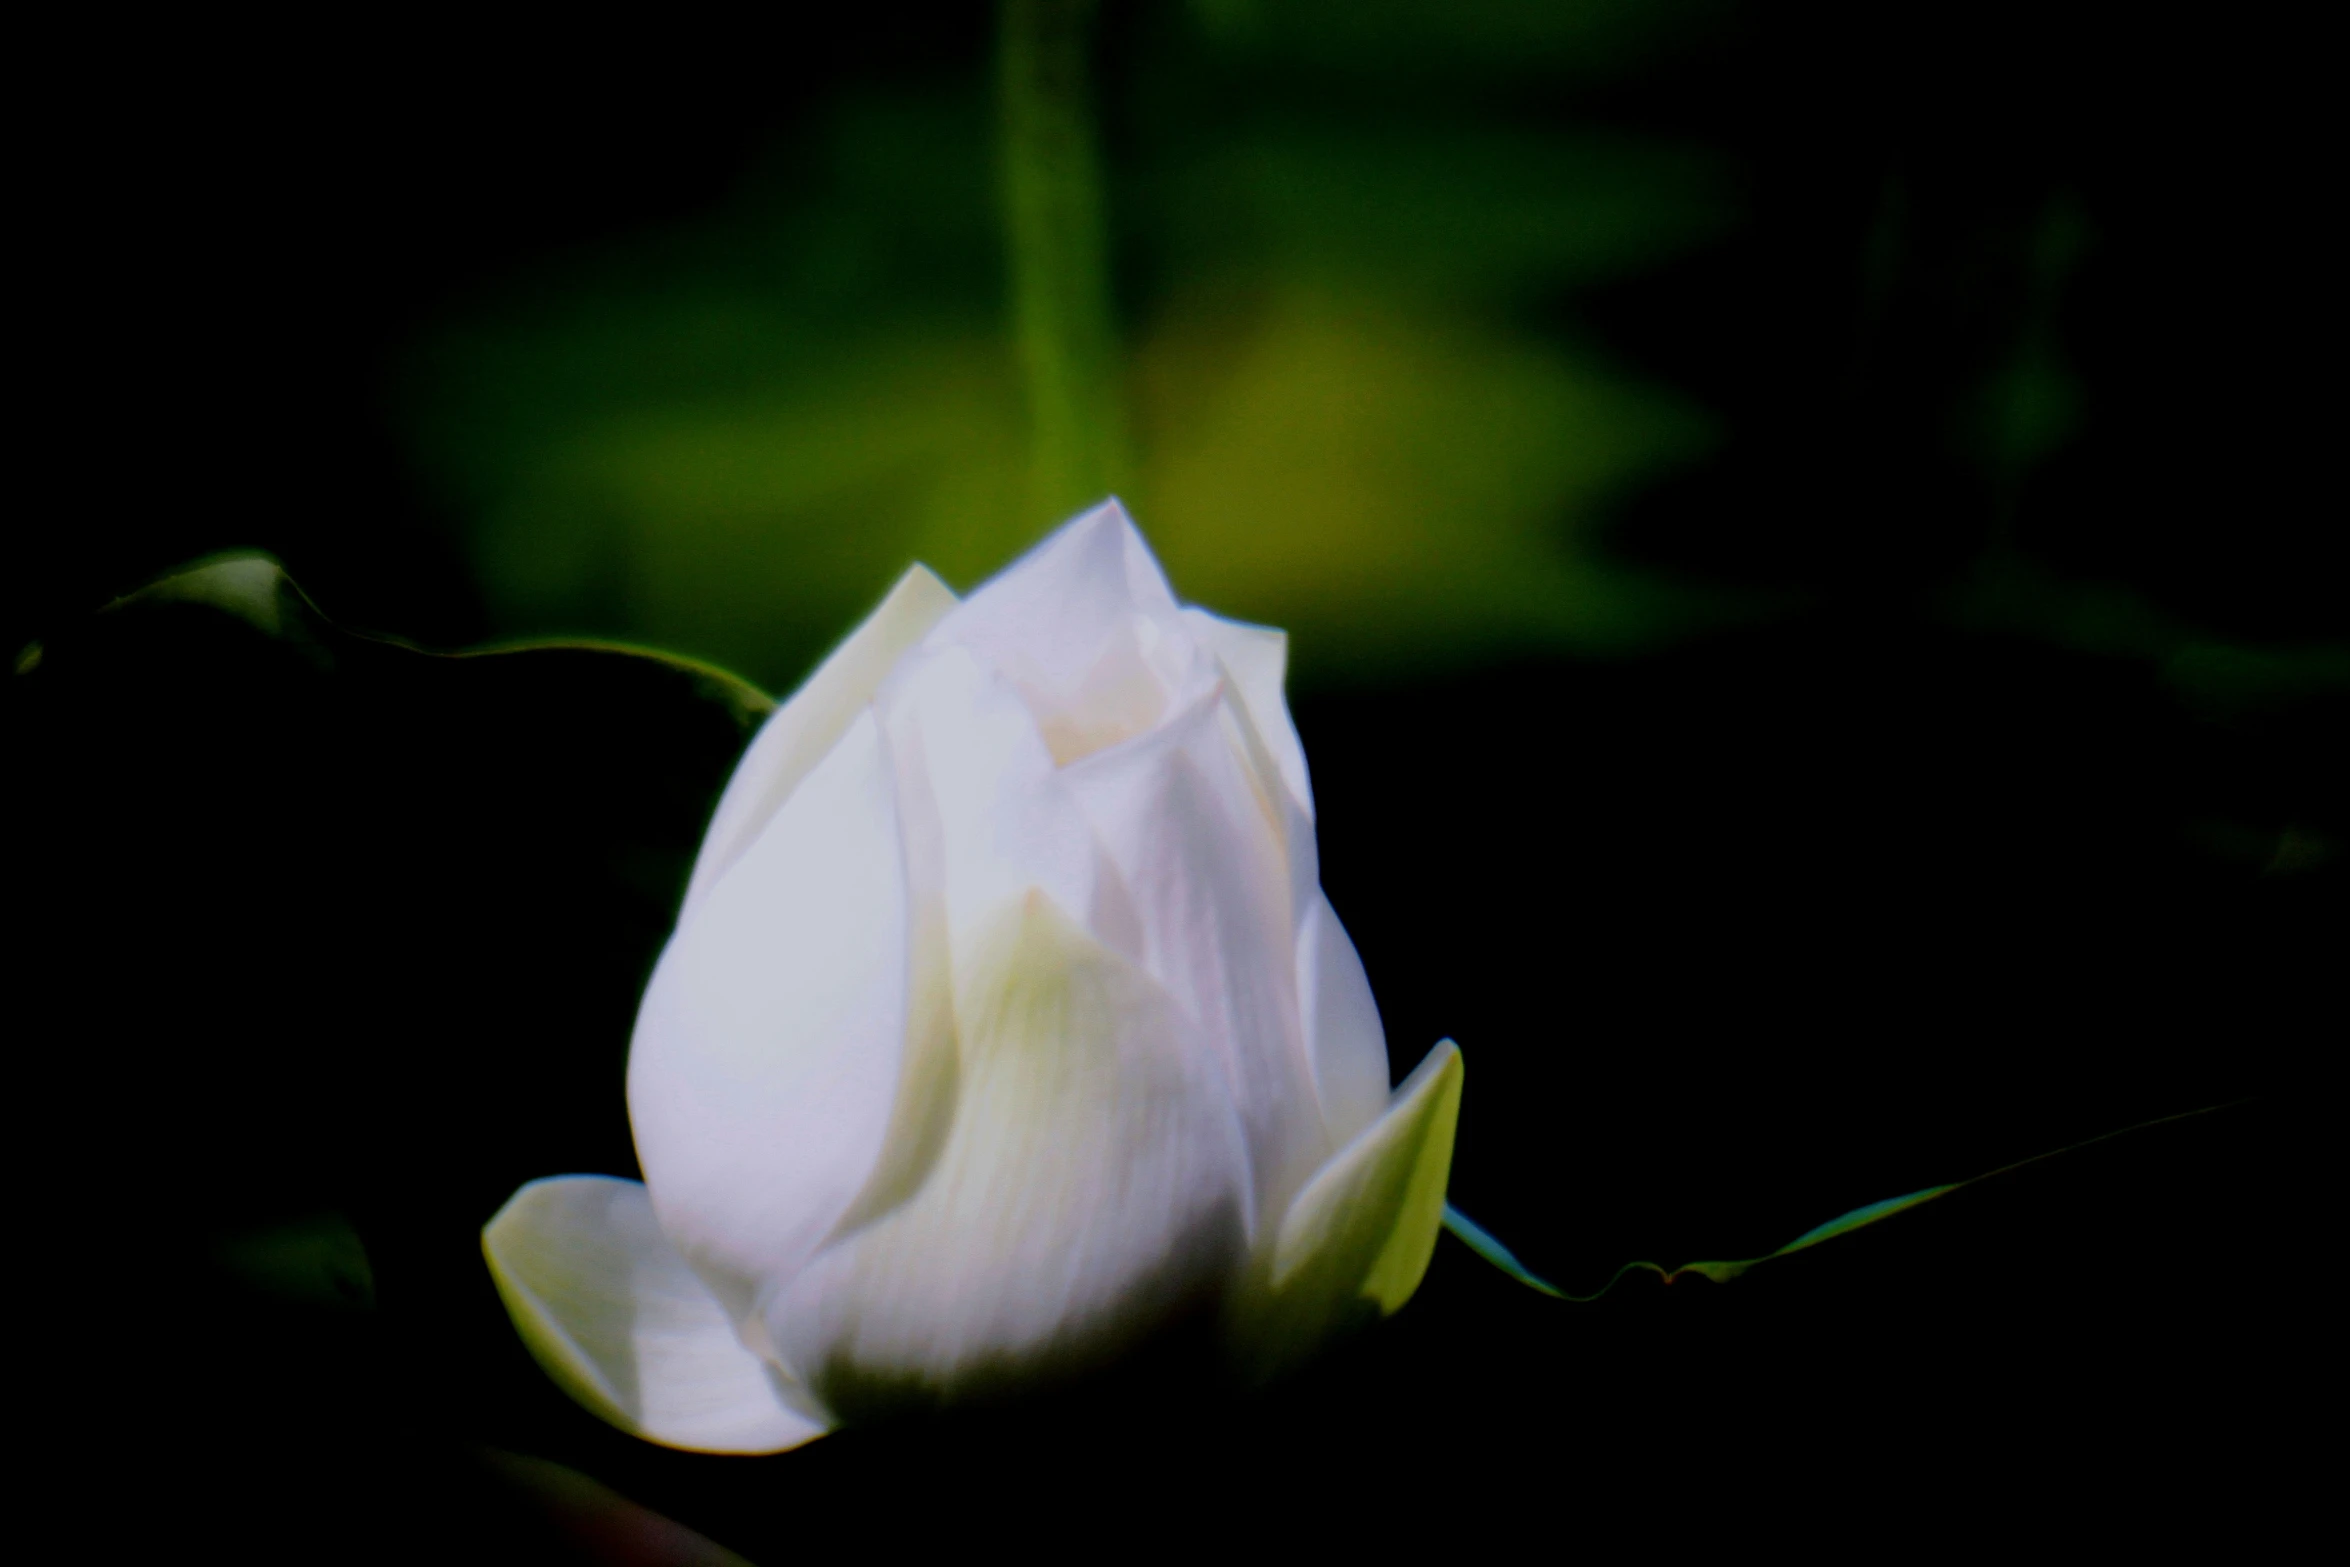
<point x="1188" y="828"/>
<point x="796" y="737"/>
<point x="768" y="1053"/>
<point x="1146" y="580"/>
<point x="620" y="1322"/>
<point x="1256" y="659"/>
<point x="1091" y="1184"/>
<point x="1357" y="1240"/>
<point x="1341" y="1023"/>
<point x="1347" y="1044"/>
<point x="1085" y="629"/>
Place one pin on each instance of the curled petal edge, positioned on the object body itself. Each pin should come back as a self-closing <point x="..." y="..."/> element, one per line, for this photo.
<point x="615" y="1316"/>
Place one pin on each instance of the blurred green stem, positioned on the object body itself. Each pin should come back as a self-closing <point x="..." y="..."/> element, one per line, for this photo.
<point x="1059" y="255"/>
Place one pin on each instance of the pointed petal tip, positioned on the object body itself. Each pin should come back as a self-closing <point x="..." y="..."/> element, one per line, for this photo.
<point x="920" y="591"/>
<point x="1107" y="513"/>
<point x="1111" y="523"/>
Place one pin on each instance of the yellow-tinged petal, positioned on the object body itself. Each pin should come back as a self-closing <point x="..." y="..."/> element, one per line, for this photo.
<point x="1092" y="1184"/>
<point x="1357" y="1240"/>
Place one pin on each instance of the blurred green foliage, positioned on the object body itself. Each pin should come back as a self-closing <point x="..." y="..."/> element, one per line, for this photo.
<point x="1966" y="336"/>
<point x="729" y="435"/>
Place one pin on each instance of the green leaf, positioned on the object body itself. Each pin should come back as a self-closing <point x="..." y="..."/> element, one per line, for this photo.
<point x="317" y="922"/>
<point x="1867" y="1213"/>
<point x="1482" y="1241"/>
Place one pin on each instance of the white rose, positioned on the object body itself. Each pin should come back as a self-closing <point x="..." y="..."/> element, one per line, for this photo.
<point x="1005" y="1020"/>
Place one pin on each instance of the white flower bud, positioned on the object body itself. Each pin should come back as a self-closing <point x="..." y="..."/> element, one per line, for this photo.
<point x="1005" y="1019"/>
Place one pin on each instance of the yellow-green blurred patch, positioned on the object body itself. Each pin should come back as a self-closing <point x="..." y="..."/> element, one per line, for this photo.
<point x="730" y="439"/>
<point x="1392" y="481"/>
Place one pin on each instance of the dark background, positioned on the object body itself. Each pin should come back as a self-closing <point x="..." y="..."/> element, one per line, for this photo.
<point x="1998" y="802"/>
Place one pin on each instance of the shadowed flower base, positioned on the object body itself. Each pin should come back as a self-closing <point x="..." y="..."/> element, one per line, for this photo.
<point x="615" y="1317"/>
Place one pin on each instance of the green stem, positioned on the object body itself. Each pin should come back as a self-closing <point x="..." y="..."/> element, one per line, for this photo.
<point x="1058" y="255"/>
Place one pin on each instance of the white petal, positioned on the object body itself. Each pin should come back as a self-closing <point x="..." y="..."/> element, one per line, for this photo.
<point x="1052" y="606"/>
<point x="767" y="1057"/>
<point x="1091" y="1184"/>
<point x="1256" y="658"/>
<point x="1085" y="629"/>
<point x="1251" y="661"/>
<point x="616" y="1317"/>
<point x="1195" y="844"/>
<point x="1146" y="580"/>
<point x="1341" y="1023"/>
<point x="800" y="732"/>
<point x="1358" y="1238"/>
<point x="982" y="794"/>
